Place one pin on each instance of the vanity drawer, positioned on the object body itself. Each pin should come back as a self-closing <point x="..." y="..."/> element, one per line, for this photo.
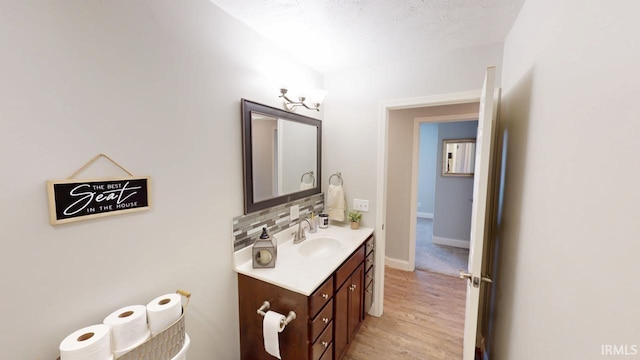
<point x="320" y="297"/>
<point x="328" y="354"/>
<point x="368" y="277"/>
<point x="321" y="320"/>
<point x="370" y="244"/>
<point x="368" y="298"/>
<point x="324" y="343"/>
<point x="344" y="272"/>
<point x="368" y="263"/>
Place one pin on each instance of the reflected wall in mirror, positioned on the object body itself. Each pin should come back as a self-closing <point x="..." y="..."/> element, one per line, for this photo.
<point x="458" y="157"/>
<point x="281" y="156"/>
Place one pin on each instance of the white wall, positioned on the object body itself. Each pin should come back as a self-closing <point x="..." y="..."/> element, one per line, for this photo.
<point x="157" y="86"/>
<point x="568" y="242"/>
<point x="352" y="109"/>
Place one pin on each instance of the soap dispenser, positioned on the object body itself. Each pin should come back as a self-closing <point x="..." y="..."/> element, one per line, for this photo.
<point x="264" y="251"/>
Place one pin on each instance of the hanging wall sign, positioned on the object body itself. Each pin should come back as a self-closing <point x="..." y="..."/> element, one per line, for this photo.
<point x="76" y="199"/>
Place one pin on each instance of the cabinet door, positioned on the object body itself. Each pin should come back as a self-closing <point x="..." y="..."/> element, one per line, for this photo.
<point x="341" y="320"/>
<point x="355" y="301"/>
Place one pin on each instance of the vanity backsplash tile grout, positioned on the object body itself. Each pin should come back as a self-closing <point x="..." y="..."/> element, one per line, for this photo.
<point x="275" y="219"/>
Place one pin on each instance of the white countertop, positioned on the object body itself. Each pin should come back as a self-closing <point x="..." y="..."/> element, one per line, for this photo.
<point x="299" y="273"/>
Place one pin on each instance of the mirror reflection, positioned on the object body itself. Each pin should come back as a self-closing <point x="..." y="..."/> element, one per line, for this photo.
<point x="281" y="156"/>
<point x="284" y="156"/>
<point x="459" y="157"/>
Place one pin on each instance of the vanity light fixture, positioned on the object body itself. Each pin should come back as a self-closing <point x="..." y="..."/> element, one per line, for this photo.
<point x="316" y="98"/>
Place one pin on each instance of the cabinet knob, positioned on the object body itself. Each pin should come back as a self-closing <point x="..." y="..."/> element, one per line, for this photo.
<point x="353" y="287"/>
<point x="325" y="320"/>
<point x="369" y="276"/>
<point x="370" y="260"/>
<point x="325" y="343"/>
<point x="325" y="296"/>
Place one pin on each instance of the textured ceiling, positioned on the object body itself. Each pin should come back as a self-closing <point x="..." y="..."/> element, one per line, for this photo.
<point x="332" y="35"/>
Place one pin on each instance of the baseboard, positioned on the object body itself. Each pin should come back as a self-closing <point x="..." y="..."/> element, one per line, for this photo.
<point x="425" y="215"/>
<point x="397" y="264"/>
<point x="464" y="244"/>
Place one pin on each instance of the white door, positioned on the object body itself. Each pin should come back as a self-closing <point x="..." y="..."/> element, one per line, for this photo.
<point x="479" y="215"/>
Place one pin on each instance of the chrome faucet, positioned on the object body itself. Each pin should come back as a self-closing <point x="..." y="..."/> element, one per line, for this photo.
<point x="299" y="235"/>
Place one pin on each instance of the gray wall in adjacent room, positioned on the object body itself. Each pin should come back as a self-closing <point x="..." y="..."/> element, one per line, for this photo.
<point x="428" y="157"/>
<point x="452" y="210"/>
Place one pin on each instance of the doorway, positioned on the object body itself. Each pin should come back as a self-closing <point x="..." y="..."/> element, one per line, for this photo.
<point x="381" y="184"/>
<point x="401" y="220"/>
<point x="488" y="98"/>
<point x="444" y="196"/>
<point x="388" y="160"/>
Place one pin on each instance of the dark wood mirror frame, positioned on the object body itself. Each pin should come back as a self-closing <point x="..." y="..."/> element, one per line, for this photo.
<point x="248" y="107"/>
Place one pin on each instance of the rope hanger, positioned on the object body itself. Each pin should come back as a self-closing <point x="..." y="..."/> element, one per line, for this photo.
<point x="85" y="166"/>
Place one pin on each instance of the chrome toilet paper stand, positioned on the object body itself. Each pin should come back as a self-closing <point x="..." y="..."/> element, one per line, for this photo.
<point x="284" y="322"/>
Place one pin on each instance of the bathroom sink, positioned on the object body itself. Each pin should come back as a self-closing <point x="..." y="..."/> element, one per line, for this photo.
<point x="320" y="247"/>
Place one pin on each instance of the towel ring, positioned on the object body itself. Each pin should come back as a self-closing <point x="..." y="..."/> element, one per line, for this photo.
<point x="339" y="175"/>
<point x="310" y="173"/>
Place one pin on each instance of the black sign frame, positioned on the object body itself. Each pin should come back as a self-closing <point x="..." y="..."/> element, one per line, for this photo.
<point x="78" y="199"/>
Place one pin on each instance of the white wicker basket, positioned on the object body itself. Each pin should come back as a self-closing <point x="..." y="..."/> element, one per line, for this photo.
<point x="165" y="345"/>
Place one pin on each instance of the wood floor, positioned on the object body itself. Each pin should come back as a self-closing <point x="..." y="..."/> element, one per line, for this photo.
<point x="423" y="319"/>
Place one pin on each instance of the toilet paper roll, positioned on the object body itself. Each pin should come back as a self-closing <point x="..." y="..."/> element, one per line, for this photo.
<point x="271" y="327"/>
<point x="89" y="343"/>
<point x="128" y="328"/>
<point x="163" y="311"/>
<point x="182" y="355"/>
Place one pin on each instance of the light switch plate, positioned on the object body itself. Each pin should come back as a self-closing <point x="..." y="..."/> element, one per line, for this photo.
<point x="294" y="212"/>
<point x="361" y="205"/>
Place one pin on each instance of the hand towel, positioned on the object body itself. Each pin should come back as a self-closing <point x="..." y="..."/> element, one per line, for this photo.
<point x="336" y="202"/>
<point x="306" y="186"/>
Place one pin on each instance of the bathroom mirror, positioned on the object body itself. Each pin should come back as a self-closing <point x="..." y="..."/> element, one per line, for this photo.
<point x="281" y="156"/>
<point x="458" y="157"/>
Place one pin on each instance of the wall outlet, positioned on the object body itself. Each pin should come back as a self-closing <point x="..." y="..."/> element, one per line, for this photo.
<point x="361" y="205"/>
<point x="294" y="212"/>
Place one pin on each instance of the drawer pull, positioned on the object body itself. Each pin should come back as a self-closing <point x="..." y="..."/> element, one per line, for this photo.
<point x="325" y="343"/>
<point x="325" y="320"/>
<point x="325" y="296"/>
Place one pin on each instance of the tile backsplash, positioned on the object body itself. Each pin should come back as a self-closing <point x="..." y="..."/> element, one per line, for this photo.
<point x="247" y="228"/>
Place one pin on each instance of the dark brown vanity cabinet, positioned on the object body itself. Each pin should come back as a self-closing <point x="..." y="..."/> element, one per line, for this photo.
<point x="326" y="322"/>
